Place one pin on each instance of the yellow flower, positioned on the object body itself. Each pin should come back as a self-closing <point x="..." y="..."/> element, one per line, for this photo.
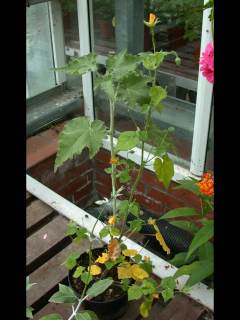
<point x="138" y="273"/>
<point x="152" y="21"/>
<point x="159" y="237"/>
<point x="112" y="219"/>
<point x="151" y="221"/>
<point x="155" y="295"/>
<point x="124" y="271"/>
<point x="129" y="252"/>
<point x="103" y="258"/>
<point x="95" y="270"/>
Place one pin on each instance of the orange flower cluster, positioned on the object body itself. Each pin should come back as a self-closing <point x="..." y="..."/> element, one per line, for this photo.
<point x="206" y="185"/>
<point x="114" y="160"/>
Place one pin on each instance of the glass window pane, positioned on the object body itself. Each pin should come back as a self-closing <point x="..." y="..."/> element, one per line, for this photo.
<point x="180" y="30"/>
<point x="39" y="50"/>
<point x="209" y="165"/>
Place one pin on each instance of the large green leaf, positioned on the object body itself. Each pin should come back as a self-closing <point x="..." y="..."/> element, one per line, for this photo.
<point x="86" y="315"/>
<point x="81" y="65"/>
<point x="188" y="184"/>
<point x="179" y="212"/>
<point x="205" y="251"/>
<point x="127" y="140"/>
<point x="133" y="89"/>
<point x="185" y="225"/>
<point x="167" y="294"/>
<point x="64" y="295"/>
<point x="52" y="316"/>
<point x="121" y="64"/>
<point x="157" y="94"/>
<point x="106" y="84"/>
<point x="134" y="292"/>
<point x="99" y="287"/>
<point x="164" y="169"/>
<point x="168" y="282"/>
<point x="180" y="259"/>
<point x="198" y="271"/>
<point x="71" y="260"/>
<point x="78" y="134"/>
<point x="151" y="61"/>
<point x="202" y="236"/>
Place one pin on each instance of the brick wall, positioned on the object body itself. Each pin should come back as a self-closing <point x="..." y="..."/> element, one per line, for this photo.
<point x="151" y="193"/>
<point x="81" y="179"/>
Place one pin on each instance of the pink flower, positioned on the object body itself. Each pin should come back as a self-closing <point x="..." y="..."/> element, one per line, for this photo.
<point x="207" y="63"/>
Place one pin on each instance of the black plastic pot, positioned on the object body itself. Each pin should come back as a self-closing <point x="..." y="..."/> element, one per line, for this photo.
<point x="105" y="310"/>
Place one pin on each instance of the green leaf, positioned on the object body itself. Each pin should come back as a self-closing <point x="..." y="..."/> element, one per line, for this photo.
<point x="179" y="212"/>
<point x="198" y="271"/>
<point x="185" y="225"/>
<point x="149" y="286"/>
<point x="134" y="209"/>
<point x="78" y="134"/>
<point x="152" y="61"/>
<point x="99" y="287"/>
<point x="189" y="184"/>
<point x="157" y="94"/>
<point x="123" y="207"/>
<point x="127" y="140"/>
<point x="119" y="65"/>
<point x="52" y="316"/>
<point x="64" y="295"/>
<point x="80" y="65"/>
<point x="167" y="294"/>
<point x="106" y="84"/>
<point x="124" y="176"/>
<point x="109" y="264"/>
<point x="137" y="258"/>
<point x="134" y="292"/>
<point x="146" y="266"/>
<point x="86" y="315"/>
<point x="125" y="284"/>
<point x="78" y="272"/>
<point x="136" y="225"/>
<point x="108" y="170"/>
<point x="180" y="259"/>
<point x="115" y="231"/>
<point x="28" y="284"/>
<point x="86" y="277"/>
<point x="202" y="236"/>
<point x="168" y="282"/>
<point x="71" y="260"/>
<point x="164" y="169"/>
<point x="71" y="228"/>
<point x="205" y="251"/>
<point x="145" y="307"/>
<point x="134" y="90"/>
<point x="29" y="311"/>
<point x="104" y="232"/>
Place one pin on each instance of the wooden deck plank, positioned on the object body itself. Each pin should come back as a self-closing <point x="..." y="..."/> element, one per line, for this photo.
<point x="38" y="245"/>
<point x="37" y="211"/>
<point x="63" y="309"/>
<point x="52" y="272"/>
<point x="181" y="307"/>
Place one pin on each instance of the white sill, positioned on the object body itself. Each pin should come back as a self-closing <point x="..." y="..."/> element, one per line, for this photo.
<point x="199" y="292"/>
<point x="179" y="172"/>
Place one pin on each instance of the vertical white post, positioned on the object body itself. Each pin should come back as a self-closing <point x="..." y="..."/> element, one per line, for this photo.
<point x="57" y="34"/>
<point x="203" y="108"/>
<point x="85" y="48"/>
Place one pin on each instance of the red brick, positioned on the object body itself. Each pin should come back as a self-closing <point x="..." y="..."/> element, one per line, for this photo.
<point x="101" y="165"/>
<point x="141" y="187"/>
<point x="150" y="178"/>
<point x="103" y="155"/>
<point x="154" y="206"/>
<point x="84" y="191"/>
<point x="82" y="168"/>
<point x="104" y="178"/>
<point x="103" y="190"/>
<point x="165" y="198"/>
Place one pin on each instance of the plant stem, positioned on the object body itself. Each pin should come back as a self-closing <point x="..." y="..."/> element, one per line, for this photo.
<point x="113" y="174"/>
<point x="77" y="307"/>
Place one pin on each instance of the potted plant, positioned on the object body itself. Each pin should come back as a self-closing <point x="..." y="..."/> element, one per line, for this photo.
<point x="103" y="280"/>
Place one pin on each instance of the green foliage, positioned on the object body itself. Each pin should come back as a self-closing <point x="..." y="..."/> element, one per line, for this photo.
<point x="157" y="94"/>
<point x="201" y="237"/>
<point x="164" y="169"/>
<point x="205" y="251"/>
<point x="78" y="134"/>
<point x="189" y="184"/>
<point x="104" y="232"/>
<point x="145" y="307"/>
<point x="149" y="286"/>
<point x="29" y="311"/>
<point x="80" y="65"/>
<point x="114" y="231"/>
<point x="86" y="277"/>
<point x="64" y="295"/>
<point x="198" y="271"/>
<point x="127" y="140"/>
<point x="86" y="315"/>
<point x="71" y="260"/>
<point x="99" y="287"/>
<point x="167" y="294"/>
<point x="78" y="272"/>
<point x="179" y="212"/>
<point x="168" y="285"/>
<point x="185" y="225"/>
<point x="136" y="225"/>
<point x="134" y="292"/>
<point x="134" y="208"/>
<point x="181" y="258"/>
<point x="52" y="316"/>
<point x="125" y="284"/>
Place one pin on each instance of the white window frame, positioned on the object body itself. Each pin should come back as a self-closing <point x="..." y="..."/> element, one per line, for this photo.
<point x="203" y="101"/>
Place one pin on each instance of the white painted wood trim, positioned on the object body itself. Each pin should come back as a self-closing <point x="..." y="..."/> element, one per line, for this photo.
<point x="162" y="269"/>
